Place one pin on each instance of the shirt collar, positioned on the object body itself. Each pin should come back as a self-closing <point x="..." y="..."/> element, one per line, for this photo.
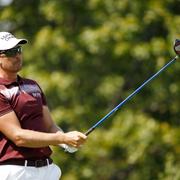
<point x="9" y="82"/>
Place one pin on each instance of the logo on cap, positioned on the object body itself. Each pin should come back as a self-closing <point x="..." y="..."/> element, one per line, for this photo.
<point x="6" y="37"/>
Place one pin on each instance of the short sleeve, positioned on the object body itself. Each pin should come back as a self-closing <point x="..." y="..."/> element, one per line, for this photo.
<point x="43" y="97"/>
<point x="5" y="107"/>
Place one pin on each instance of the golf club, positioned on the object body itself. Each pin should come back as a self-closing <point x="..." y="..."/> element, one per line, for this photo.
<point x="177" y="51"/>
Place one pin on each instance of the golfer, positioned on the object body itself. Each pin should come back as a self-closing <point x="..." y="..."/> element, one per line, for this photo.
<point x="26" y="126"/>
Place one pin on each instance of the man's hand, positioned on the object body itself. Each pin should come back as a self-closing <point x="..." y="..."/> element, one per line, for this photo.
<point x="74" y="139"/>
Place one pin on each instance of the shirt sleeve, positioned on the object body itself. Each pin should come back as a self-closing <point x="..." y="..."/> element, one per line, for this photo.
<point x="5" y="107"/>
<point x="43" y="97"/>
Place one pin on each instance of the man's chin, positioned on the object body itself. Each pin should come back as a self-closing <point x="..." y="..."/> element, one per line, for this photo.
<point x="16" y="70"/>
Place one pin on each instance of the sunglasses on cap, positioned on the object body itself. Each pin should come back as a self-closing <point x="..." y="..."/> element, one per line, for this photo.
<point x="12" y="52"/>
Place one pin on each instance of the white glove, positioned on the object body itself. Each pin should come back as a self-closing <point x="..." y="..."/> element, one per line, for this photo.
<point x="68" y="148"/>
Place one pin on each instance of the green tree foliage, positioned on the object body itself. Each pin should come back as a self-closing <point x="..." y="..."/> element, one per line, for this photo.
<point x="88" y="56"/>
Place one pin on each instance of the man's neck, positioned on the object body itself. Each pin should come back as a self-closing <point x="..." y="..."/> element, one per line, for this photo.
<point x="8" y="76"/>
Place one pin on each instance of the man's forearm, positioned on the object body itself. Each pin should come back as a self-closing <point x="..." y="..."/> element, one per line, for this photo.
<point x="29" y="138"/>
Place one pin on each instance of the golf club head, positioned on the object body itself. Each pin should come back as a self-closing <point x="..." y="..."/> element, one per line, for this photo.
<point x="177" y="46"/>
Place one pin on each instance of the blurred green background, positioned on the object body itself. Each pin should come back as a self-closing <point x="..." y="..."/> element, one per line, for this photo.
<point x="88" y="55"/>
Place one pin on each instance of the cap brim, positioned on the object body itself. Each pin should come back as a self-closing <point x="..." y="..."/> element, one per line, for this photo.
<point x="19" y="42"/>
<point x="23" y="41"/>
<point x="14" y="42"/>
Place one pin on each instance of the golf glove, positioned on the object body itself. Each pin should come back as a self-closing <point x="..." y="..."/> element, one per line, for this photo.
<point x="68" y="148"/>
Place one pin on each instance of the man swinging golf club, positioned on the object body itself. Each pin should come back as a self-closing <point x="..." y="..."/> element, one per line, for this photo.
<point x="26" y="127"/>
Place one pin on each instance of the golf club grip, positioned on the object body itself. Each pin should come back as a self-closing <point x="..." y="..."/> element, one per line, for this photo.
<point x="89" y="131"/>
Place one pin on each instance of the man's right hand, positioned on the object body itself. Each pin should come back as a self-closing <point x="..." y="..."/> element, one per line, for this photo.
<point x="74" y="138"/>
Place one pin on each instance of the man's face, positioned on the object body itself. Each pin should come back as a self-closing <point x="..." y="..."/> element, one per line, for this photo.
<point x="11" y="60"/>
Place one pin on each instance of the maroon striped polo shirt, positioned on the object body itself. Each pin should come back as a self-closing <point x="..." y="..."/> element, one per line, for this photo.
<point x="26" y="99"/>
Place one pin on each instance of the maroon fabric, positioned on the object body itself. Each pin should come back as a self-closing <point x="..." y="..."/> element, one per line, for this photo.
<point x="26" y="99"/>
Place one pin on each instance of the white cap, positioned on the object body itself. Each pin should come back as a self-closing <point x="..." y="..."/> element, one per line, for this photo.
<point x="8" y="41"/>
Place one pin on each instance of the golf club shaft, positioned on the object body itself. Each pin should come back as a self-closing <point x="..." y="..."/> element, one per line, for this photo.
<point x="129" y="97"/>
